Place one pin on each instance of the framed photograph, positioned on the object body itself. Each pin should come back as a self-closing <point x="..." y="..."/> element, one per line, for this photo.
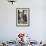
<point x="22" y="17"/>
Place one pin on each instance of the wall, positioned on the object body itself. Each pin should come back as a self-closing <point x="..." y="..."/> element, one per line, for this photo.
<point x="37" y="29"/>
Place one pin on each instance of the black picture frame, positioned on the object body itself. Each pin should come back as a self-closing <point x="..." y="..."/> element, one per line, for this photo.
<point x="22" y="17"/>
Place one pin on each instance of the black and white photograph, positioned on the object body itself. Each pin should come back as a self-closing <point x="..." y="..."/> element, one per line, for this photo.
<point x="22" y="16"/>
